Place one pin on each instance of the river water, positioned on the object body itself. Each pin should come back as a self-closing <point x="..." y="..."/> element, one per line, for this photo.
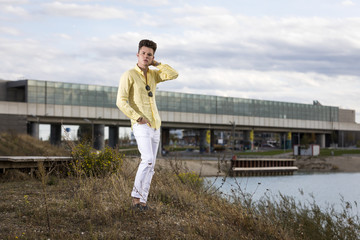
<point x="326" y="188"/>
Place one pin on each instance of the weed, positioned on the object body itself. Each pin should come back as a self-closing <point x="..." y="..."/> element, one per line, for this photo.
<point x="89" y="162"/>
<point x="44" y="178"/>
<point x="192" y="179"/>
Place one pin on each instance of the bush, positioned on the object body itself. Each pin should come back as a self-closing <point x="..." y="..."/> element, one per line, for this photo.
<point x="87" y="161"/>
<point x="192" y="179"/>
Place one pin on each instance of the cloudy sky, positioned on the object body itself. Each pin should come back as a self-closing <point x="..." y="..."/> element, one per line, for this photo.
<point x="293" y="51"/>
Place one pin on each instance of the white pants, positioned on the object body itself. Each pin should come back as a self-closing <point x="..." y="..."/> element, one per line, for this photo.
<point x="148" y="140"/>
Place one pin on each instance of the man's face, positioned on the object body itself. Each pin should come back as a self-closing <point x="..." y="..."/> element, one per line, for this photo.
<point x="145" y="57"/>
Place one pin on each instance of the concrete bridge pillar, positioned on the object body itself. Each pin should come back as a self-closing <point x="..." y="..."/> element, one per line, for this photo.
<point x="248" y="140"/>
<point x="320" y="139"/>
<point x="113" y="136"/>
<point x="85" y="133"/>
<point x="286" y="140"/>
<point x="212" y="140"/>
<point x="289" y="141"/>
<point x="99" y="142"/>
<point x="33" y="129"/>
<point x="283" y="140"/>
<point x="296" y="137"/>
<point x="165" y="138"/>
<point x="202" y="142"/>
<point x="55" y="134"/>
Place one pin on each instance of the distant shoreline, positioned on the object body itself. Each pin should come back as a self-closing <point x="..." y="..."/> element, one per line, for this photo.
<point x="210" y="168"/>
<point x="347" y="163"/>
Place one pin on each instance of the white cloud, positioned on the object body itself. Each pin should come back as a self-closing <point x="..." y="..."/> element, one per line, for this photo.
<point x="102" y="61"/>
<point x="13" y="1"/>
<point x="63" y="36"/>
<point x="347" y="3"/>
<point x="79" y="0"/>
<point x="149" y="2"/>
<point x="293" y="31"/>
<point x="85" y="11"/>
<point x="311" y="44"/>
<point x="9" y="30"/>
<point x="33" y="59"/>
<point x="19" y="11"/>
<point x="216" y="51"/>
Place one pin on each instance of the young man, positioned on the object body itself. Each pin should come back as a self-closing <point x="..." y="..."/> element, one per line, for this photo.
<point x="136" y="99"/>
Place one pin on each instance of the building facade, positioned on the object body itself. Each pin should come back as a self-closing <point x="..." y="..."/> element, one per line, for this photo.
<point x="26" y="103"/>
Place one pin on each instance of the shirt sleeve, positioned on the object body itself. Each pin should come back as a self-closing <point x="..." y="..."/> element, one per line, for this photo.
<point x="166" y="73"/>
<point x="122" y="100"/>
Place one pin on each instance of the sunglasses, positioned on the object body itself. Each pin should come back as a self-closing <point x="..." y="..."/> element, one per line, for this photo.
<point x="147" y="87"/>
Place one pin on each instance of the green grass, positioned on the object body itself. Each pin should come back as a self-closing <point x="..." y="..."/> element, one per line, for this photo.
<point x="179" y="148"/>
<point x="324" y="152"/>
<point x="337" y="152"/>
<point x="265" y="153"/>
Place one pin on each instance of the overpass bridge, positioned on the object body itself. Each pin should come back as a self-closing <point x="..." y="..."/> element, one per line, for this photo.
<point x="25" y="104"/>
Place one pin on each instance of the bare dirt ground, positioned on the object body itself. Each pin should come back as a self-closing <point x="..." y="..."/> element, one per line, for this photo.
<point x="349" y="163"/>
<point x="206" y="168"/>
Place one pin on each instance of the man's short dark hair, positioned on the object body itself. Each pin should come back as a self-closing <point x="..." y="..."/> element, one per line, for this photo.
<point x="147" y="43"/>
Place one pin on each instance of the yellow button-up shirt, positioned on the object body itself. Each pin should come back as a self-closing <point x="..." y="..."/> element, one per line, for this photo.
<point x="132" y="97"/>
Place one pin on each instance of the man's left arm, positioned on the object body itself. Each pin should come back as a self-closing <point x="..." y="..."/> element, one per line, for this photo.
<point x="165" y="72"/>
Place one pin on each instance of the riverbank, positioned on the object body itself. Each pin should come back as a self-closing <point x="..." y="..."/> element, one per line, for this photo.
<point x="209" y="167"/>
<point x="181" y="207"/>
<point x="350" y="163"/>
<point x="76" y="205"/>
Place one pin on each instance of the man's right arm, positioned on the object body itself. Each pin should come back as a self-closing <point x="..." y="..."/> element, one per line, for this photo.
<point x="123" y="95"/>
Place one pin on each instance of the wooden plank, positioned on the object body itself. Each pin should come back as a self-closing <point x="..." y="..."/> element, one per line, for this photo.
<point x="264" y="159"/>
<point x="32" y="158"/>
<point x="28" y="161"/>
<point x="265" y="169"/>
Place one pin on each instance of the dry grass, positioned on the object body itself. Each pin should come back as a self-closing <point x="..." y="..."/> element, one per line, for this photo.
<point x="83" y="207"/>
<point x="100" y="208"/>
<point x="12" y="144"/>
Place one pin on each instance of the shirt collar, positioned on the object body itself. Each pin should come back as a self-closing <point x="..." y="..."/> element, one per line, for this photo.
<point x="139" y="70"/>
